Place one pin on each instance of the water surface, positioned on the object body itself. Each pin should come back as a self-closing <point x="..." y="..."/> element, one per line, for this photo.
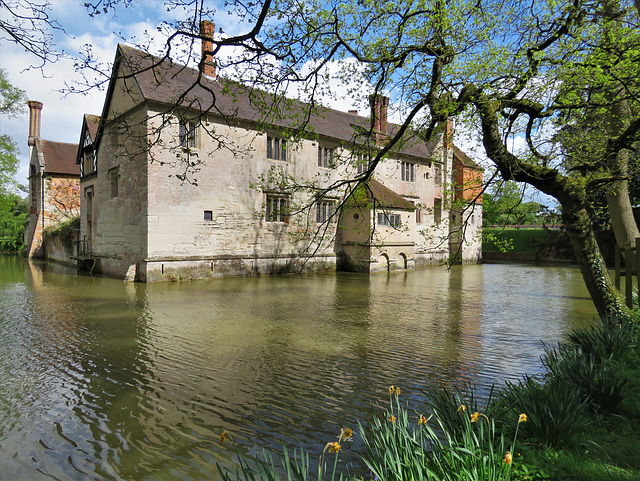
<point x="105" y="380"/>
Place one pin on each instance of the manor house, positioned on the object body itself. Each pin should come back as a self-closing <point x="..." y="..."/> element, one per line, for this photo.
<point x="190" y="175"/>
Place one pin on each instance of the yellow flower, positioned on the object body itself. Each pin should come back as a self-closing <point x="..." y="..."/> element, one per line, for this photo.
<point x="392" y="389"/>
<point x="522" y="418"/>
<point x="474" y="417"/>
<point x="332" y="447"/>
<point x="508" y="458"/>
<point x="397" y="391"/>
<point x="223" y="436"/>
<point x="422" y="419"/>
<point x="462" y="408"/>
<point x="392" y="418"/>
<point x="346" y="433"/>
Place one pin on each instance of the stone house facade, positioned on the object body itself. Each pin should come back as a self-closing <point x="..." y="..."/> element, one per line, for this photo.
<point x="54" y="185"/>
<point x="188" y="177"/>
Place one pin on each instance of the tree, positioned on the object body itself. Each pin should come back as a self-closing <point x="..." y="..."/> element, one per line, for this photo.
<point x="12" y="209"/>
<point x="12" y="103"/>
<point x="503" y="204"/>
<point x="506" y="67"/>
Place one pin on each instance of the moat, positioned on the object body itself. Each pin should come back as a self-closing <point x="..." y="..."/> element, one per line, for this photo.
<point x="106" y="380"/>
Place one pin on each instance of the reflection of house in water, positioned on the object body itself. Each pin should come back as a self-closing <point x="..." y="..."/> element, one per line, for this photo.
<point x="54" y="184"/>
<point x="161" y="122"/>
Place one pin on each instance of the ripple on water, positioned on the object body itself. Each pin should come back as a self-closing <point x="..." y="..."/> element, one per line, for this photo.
<point x="104" y="380"/>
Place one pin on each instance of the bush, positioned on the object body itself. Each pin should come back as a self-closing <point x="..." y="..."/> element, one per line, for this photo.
<point x="608" y="340"/>
<point x="600" y="382"/>
<point x="556" y="411"/>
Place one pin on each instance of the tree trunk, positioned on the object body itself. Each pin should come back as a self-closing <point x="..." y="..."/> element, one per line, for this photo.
<point x="571" y="193"/>
<point x="605" y="296"/>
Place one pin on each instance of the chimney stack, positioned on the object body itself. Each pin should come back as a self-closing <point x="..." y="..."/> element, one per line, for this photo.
<point x="207" y="66"/>
<point x="379" y="106"/>
<point x="34" y="121"/>
<point x="353" y="112"/>
<point x="448" y="133"/>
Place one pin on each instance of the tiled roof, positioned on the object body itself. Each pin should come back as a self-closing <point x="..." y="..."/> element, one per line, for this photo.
<point x="171" y="84"/>
<point x="465" y="159"/>
<point x="60" y="158"/>
<point x="373" y="192"/>
<point x="93" y="122"/>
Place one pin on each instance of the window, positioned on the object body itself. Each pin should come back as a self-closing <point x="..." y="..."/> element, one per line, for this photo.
<point x="362" y="163"/>
<point x="208" y="215"/>
<point x="187" y="134"/>
<point x="277" y="209"/>
<point x="437" y="211"/>
<point x="438" y="174"/>
<point x="393" y="220"/>
<point x="324" y="211"/>
<point x="113" y="180"/>
<point x="408" y="171"/>
<point x="418" y="216"/>
<point x="325" y="157"/>
<point x="276" y="148"/>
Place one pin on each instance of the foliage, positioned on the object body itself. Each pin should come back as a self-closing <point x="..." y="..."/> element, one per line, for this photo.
<point x="67" y="232"/>
<point x="13" y="215"/>
<point x="515" y="240"/>
<point x="556" y="412"/>
<point x="503" y="204"/>
<point x="608" y="340"/>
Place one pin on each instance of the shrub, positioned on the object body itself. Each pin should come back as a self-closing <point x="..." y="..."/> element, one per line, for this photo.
<point x="608" y="340"/>
<point x="556" y="411"/>
<point x="600" y="382"/>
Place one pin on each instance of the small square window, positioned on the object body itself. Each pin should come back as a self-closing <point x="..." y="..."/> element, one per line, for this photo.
<point x="208" y="215"/>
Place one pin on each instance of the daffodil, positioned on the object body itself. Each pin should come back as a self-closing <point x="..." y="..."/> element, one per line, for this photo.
<point x="346" y="433"/>
<point x="223" y="436"/>
<point x="397" y="391"/>
<point x="522" y="418"/>
<point x="474" y="417"/>
<point x="392" y="389"/>
<point x="462" y="408"/>
<point x="422" y="419"/>
<point x="333" y="447"/>
<point x="508" y="458"/>
<point x="392" y="418"/>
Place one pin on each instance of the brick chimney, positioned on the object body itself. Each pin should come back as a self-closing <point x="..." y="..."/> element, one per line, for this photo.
<point x="448" y="132"/>
<point x="379" y="106"/>
<point x="207" y="65"/>
<point x="34" y="121"/>
<point x="353" y="112"/>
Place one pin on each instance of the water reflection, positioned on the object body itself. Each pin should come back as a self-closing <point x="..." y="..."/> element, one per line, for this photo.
<point x="105" y="380"/>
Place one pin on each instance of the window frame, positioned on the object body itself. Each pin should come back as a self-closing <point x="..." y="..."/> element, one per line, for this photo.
<point x="325" y="211"/>
<point x="281" y="212"/>
<point x="326" y="156"/>
<point x="114" y="181"/>
<point x="388" y="219"/>
<point x="277" y="148"/>
<point x="407" y="171"/>
<point x="188" y="134"/>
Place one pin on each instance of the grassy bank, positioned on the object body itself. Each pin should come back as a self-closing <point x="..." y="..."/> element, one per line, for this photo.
<point x="580" y="421"/>
<point x="513" y="240"/>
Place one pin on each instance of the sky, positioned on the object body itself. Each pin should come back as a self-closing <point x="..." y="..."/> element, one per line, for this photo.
<point x="63" y="112"/>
